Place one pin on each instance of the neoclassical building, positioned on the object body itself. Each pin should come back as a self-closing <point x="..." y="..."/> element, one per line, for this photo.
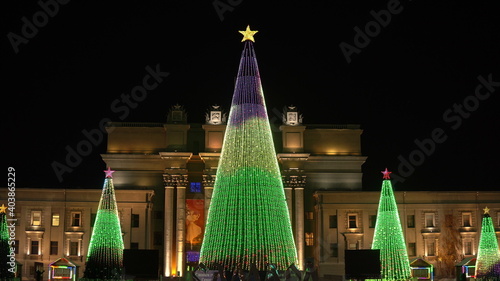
<point x="164" y="179"/>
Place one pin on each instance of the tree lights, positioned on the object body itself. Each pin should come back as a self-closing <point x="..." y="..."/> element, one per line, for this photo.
<point x="488" y="256"/>
<point x="388" y="237"/>
<point x="7" y="256"/>
<point x="105" y="256"/>
<point x="248" y="220"/>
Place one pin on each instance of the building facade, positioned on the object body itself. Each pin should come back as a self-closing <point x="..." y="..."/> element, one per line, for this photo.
<point x="165" y="173"/>
<point x="179" y="162"/>
<point x="432" y="222"/>
<point x="55" y="223"/>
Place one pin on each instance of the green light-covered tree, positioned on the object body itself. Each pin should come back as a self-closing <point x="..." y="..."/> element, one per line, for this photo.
<point x="488" y="255"/>
<point x="248" y="220"/>
<point x="388" y="237"/>
<point x="105" y="256"/>
<point x="5" y="252"/>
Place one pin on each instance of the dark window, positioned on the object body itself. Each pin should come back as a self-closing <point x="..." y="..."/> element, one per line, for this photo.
<point x="412" y="249"/>
<point x="134" y="245"/>
<point x="34" y="247"/>
<point x="467" y="248"/>
<point x="73" y="248"/>
<point x="333" y="221"/>
<point x="135" y="220"/>
<point x="76" y="219"/>
<point x="334" y="250"/>
<point x="54" y="247"/>
<point x="373" y="220"/>
<point x="92" y="219"/>
<point x="16" y="246"/>
<point x="410" y="221"/>
<point x="352" y="221"/>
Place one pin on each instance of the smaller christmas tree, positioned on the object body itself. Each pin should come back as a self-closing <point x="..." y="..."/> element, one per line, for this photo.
<point x="5" y="270"/>
<point x="388" y="237"/>
<point x="488" y="256"/>
<point x="105" y="257"/>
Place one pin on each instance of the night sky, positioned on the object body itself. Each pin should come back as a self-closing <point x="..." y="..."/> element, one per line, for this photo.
<point x="406" y="85"/>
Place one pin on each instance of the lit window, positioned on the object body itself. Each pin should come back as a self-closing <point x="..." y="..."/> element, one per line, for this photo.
<point x="466" y="219"/>
<point x="309" y="239"/>
<point x="195" y="187"/>
<point x="429" y="220"/>
<point x="352" y="221"/>
<point x="36" y="218"/>
<point x="309" y="215"/>
<point x="76" y="219"/>
<point x="55" y="219"/>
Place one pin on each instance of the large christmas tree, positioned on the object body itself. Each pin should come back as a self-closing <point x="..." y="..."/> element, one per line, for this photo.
<point x="488" y="255"/>
<point x="5" y="267"/>
<point x="105" y="257"/>
<point x="388" y="237"/>
<point x="248" y="220"/>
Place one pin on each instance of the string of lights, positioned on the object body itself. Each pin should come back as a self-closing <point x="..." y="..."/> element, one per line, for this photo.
<point x="388" y="237"/>
<point x="248" y="220"/>
<point x="488" y="255"/>
<point x="105" y="256"/>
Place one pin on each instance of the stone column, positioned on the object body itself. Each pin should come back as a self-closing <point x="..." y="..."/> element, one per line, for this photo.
<point x="168" y="230"/>
<point x="288" y="196"/>
<point x="299" y="225"/>
<point x="208" y="197"/>
<point x="181" y="226"/>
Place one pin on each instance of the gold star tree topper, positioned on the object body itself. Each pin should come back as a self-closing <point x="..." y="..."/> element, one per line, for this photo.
<point x="486" y="210"/>
<point x="3" y="208"/>
<point x="248" y="34"/>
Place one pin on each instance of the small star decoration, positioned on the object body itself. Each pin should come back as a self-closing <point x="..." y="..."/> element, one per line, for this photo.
<point x="248" y="34"/>
<point x="2" y="209"/>
<point x="486" y="210"/>
<point x="387" y="174"/>
<point x="109" y="173"/>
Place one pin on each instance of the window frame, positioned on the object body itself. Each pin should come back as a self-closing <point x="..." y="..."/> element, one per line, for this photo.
<point x="433" y="219"/>
<point x="73" y="219"/>
<point x="356" y="220"/>
<point x="464" y="215"/>
<point x="56" y="217"/>
<point x="39" y="216"/>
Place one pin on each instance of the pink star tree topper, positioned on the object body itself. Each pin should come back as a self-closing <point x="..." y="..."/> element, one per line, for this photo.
<point x="387" y="174"/>
<point x="109" y="173"/>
